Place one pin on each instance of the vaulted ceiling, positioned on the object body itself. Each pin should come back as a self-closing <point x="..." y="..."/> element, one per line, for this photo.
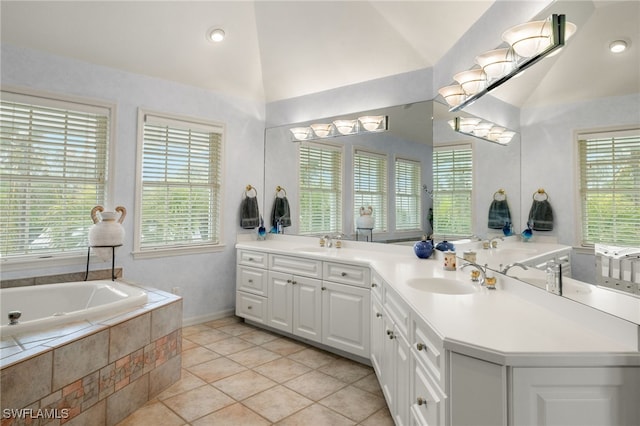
<point x="281" y="49"/>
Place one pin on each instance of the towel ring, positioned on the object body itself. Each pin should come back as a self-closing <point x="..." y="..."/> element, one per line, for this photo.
<point x="540" y="192"/>
<point x="248" y="189"/>
<point x="500" y="192"/>
<point x="280" y="189"/>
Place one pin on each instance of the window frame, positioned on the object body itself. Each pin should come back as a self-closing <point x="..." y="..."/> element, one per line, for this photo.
<point x="454" y="147"/>
<point x="418" y="195"/>
<point x="580" y="135"/>
<point x="333" y="147"/>
<point x="384" y="215"/>
<point x="81" y="104"/>
<point x="178" y="249"/>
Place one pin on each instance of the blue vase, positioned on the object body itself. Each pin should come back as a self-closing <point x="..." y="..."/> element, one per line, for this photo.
<point x="527" y="234"/>
<point x="423" y="249"/>
<point x="507" y="229"/>
<point x="445" y="246"/>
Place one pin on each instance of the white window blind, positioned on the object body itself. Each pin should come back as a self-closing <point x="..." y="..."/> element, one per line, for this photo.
<point x="408" y="205"/>
<point x="181" y="183"/>
<point x="452" y="190"/>
<point x="320" y="188"/>
<point x="370" y="185"/>
<point x="53" y="170"/>
<point x="610" y="187"/>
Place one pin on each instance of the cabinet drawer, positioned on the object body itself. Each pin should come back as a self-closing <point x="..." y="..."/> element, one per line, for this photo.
<point x="295" y="265"/>
<point x="251" y="307"/>
<point x="251" y="280"/>
<point x="428" y="348"/>
<point x="252" y="258"/>
<point x="346" y="274"/>
<point x="397" y="309"/>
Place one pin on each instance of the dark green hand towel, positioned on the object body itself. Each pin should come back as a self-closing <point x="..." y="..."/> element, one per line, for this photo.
<point x="541" y="216"/>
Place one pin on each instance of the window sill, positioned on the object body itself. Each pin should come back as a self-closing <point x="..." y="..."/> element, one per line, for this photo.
<point x="176" y="251"/>
<point x="26" y="263"/>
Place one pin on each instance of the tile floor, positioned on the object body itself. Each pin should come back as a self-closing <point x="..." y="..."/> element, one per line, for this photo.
<point x="237" y="374"/>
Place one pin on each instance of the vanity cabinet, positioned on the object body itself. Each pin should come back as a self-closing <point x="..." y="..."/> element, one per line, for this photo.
<point x="323" y="302"/>
<point x="579" y="396"/>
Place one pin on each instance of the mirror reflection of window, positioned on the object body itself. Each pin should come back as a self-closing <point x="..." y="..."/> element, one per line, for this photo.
<point x="408" y="204"/>
<point x="452" y="190"/>
<point x="370" y="186"/>
<point x="320" y="185"/>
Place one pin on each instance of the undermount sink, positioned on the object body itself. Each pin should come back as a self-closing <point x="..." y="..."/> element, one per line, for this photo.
<point x="441" y="286"/>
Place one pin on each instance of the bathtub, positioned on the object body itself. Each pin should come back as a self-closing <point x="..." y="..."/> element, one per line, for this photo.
<point x="51" y="305"/>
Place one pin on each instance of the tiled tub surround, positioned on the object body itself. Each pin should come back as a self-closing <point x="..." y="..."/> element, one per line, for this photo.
<point x="98" y="372"/>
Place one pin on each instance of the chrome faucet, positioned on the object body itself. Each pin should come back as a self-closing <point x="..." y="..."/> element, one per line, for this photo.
<point x="511" y="265"/>
<point x="483" y="274"/>
<point x="328" y="241"/>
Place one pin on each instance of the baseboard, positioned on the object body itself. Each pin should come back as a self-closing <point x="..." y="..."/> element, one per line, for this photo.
<point x="206" y="318"/>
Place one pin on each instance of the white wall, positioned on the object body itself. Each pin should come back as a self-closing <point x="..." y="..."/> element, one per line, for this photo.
<point x="549" y="160"/>
<point x="207" y="280"/>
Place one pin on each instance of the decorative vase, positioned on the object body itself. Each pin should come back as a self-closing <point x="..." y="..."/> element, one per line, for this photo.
<point x="507" y="229"/>
<point x="445" y="246"/>
<point x="365" y="220"/>
<point x="423" y="248"/>
<point x="106" y="230"/>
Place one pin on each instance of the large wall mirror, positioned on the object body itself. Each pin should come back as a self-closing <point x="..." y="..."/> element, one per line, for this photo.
<point x="414" y="130"/>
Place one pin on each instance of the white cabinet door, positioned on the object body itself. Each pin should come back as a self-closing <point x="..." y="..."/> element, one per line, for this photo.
<point x="307" y="308"/>
<point x="377" y="335"/>
<point x="576" y="396"/>
<point x="427" y="401"/>
<point x="402" y="385"/>
<point x="345" y="317"/>
<point x="280" y="304"/>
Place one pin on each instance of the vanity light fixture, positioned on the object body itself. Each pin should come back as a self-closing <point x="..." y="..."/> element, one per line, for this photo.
<point x="345" y="127"/>
<point x="482" y="129"/>
<point x="618" y="46"/>
<point x="528" y="44"/>
<point x="300" y="133"/>
<point x="216" y="35"/>
<point x="373" y="123"/>
<point x="322" y="130"/>
<point x="341" y="127"/>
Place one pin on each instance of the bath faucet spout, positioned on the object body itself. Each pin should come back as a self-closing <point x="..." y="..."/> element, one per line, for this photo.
<point x="480" y="269"/>
<point x="511" y="265"/>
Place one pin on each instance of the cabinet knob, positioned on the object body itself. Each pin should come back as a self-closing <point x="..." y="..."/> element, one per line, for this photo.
<point x="421" y="346"/>
<point x="389" y="332"/>
<point x="323" y="288"/>
<point x="378" y="314"/>
<point x="249" y="307"/>
<point x="421" y="401"/>
<point x="344" y="274"/>
<point x="250" y="280"/>
<point x="294" y="282"/>
<point x="392" y="336"/>
<point x="251" y="259"/>
<point x="289" y="281"/>
<point x="373" y="285"/>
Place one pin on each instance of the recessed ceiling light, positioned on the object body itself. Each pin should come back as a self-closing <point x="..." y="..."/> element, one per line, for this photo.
<point x="216" y="35"/>
<point x="618" y="46"/>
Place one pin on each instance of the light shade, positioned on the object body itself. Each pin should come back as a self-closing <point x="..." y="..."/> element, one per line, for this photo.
<point x="497" y="63"/>
<point x="453" y="95"/>
<point x="372" y="123"/>
<point x="506" y="136"/>
<point x="472" y="81"/>
<point x="532" y="38"/>
<point x="482" y="129"/>
<point x="468" y="124"/>
<point x="321" y="130"/>
<point x="345" y="127"/>
<point x="300" y="133"/>
<point x="495" y="132"/>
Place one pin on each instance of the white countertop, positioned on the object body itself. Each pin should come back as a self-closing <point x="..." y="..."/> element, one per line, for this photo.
<point x="516" y="324"/>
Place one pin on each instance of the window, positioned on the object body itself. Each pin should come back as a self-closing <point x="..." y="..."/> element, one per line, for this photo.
<point x="180" y="187"/>
<point x="370" y="185"/>
<point x="53" y="171"/>
<point x="408" y="205"/>
<point x="452" y="190"/>
<point x="320" y="188"/>
<point x="610" y="187"/>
